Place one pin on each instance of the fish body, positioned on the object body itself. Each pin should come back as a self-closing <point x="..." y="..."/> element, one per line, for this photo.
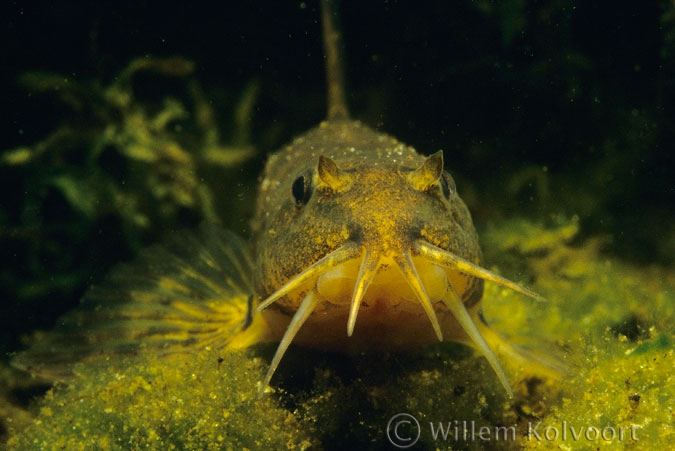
<point x="360" y="243"/>
<point x="378" y="212"/>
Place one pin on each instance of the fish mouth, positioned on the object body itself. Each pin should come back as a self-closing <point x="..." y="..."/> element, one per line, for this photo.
<point x="371" y="263"/>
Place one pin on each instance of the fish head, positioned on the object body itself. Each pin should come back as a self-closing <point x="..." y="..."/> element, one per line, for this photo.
<point x="351" y="228"/>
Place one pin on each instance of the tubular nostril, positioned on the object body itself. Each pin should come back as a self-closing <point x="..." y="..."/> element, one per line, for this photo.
<point x="355" y="232"/>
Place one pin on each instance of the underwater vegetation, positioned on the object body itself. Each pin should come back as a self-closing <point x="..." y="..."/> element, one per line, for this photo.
<point x="557" y="123"/>
<point x="148" y="136"/>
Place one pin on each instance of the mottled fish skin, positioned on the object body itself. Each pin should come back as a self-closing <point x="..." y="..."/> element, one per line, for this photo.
<point x="287" y="239"/>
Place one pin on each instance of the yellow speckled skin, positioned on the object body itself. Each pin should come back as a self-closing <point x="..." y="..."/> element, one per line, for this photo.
<point x="378" y="210"/>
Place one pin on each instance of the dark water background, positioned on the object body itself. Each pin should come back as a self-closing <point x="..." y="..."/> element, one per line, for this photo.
<point x="583" y="89"/>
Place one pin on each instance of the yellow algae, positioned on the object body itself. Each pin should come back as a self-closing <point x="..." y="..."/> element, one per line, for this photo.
<point x="148" y="403"/>
<point x="603" y="312"/>
<point x="626" y="398"/>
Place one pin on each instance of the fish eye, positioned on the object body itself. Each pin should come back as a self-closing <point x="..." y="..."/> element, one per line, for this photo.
<point x="448" y="185"/>
<point x="302" y="189"/>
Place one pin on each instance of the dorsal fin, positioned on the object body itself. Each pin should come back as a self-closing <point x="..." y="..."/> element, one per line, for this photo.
<point x="332" y="46"/>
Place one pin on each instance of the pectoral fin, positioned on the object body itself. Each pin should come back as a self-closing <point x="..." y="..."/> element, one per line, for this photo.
<point x="189" y="294"/>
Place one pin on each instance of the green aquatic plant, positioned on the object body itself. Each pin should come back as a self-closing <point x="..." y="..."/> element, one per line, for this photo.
<point x="137" y="157"/>
<point x="119" y="163"/>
